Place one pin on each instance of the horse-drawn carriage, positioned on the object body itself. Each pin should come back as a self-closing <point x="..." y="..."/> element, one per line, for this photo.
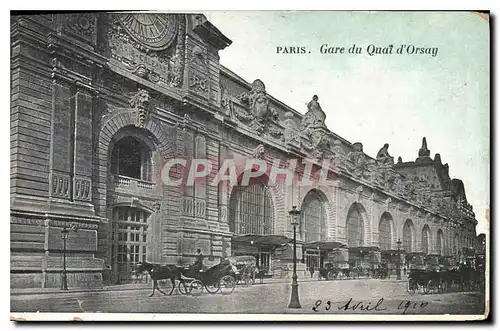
<point x="246" y="269"/>
<point x="429" y="275"/>
<point x="426" y="275"/>
<point x="330" y="271"/>
<point x="426" y="281"/>
<point x="218" y="278"/>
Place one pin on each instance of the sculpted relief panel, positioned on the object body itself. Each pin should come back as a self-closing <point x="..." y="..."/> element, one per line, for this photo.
<point x="149" y="45"/>
<point x="253" y="109"/>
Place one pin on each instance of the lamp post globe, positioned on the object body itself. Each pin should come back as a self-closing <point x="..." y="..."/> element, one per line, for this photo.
<point x="294" y="297"/>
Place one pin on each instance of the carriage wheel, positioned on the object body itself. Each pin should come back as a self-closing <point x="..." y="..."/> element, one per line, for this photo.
<point x="226" y="285"/>
<point x="196" y="288"/>
<point x="184" y="288"/>
<point x="212" y="288"/>
<point x="330" y="275"/>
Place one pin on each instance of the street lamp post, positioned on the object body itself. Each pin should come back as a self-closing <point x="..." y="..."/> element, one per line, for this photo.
<point x="64" y="235"/>
<point x="398" y="261"/>
<point x="294" y="298"/>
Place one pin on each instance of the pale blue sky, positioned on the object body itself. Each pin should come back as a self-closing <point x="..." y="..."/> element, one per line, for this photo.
<point x="396" y="99"/>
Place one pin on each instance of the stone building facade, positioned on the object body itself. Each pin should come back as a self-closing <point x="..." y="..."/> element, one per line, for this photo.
<point x="100" y="102"/>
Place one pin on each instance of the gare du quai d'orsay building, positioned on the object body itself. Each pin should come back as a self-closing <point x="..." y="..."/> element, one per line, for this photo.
<point x="100" y="102"/>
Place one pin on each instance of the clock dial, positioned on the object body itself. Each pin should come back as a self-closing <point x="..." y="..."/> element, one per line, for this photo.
<point x="155" y="31"/>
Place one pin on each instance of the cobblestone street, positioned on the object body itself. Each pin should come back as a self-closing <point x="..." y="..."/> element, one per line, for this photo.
<point x="335" y="296"/>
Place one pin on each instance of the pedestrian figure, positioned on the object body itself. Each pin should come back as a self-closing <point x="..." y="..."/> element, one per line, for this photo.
<point x="311" y="270"/>
<point x="198" y="264"/>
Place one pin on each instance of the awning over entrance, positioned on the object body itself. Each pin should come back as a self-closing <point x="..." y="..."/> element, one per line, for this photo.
<point x="415" y="254"/>
<point x="261" y="240"/>
<point x="324" y="245"/>
<point x="392" y="252"/>
<point x="363" y="250"/>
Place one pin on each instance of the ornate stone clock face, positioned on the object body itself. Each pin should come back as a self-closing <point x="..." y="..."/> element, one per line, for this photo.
<point x="155" y="31"/>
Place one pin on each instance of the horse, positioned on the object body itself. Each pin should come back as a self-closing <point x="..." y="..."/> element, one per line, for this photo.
<point x="158" y="272"/>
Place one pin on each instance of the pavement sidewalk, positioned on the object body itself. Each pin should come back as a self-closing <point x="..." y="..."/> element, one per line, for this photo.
<point x="142" y="286"/>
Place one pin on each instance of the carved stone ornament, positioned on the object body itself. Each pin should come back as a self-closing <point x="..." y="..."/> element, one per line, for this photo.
<point x="321" y="146"/>
<point x="82" y="25"/>
<point x="150" y="45"/>
<point x="157" y="206"/>
<point x="226" y="102"/>
<point x="275" y="131"/>
<point x="398" y="186"/>
<point x="357" y="163"/>
<point x="291" y="133"/>
<point x="259" y="114"/>
<point x="140" y="102"/>
<point x="259" y="102"/>
<point x="258" y="152"/>
<point x="338" y="156"/>
<point x="424" y="151"/>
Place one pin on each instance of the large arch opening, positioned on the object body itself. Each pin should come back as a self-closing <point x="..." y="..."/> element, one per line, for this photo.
<point x="313" y="218"/>
<point x="385" y="231"/>
<point x="355" y="225"/>
<point x="389" y="256"/>
<point x="426" y="235"/>
<point x="251" y="210"/>
<point x="408" y="236"/>
<point x="251" y="220"/>
<point x="312" y="229"/>
<point x="359" y="256"/>
<point x="440" y="242"/>
<point x="130" y="188"/>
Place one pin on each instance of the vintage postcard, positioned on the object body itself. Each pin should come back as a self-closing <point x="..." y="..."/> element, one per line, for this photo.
<point x="250" y="165"/>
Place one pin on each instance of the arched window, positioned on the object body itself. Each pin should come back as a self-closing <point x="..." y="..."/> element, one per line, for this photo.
<point x="440" y="242"/>
<point x="408" y="236"/>
<point x="385" y="232"/>
<point x="131" y="158"/>
<point x="355" y="226"/>
<point x="251" y="210"/>
<point x="425" y="239"/>
<point x="313" y="218"/>
<point x="129" y="238"/>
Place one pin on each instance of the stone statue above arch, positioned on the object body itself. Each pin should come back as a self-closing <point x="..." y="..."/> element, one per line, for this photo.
<point x="315" y="117"/>
<point x="383" y="156"/>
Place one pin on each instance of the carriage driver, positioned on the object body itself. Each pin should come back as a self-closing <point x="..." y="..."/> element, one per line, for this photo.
<point x="198" y="264"/>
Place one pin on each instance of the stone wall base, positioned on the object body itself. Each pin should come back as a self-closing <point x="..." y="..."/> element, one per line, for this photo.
<point x="81" y="279"/>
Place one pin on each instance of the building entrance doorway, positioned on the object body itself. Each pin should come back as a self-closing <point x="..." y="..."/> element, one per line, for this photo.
<point x="263" y="260"/>
<point x="313" y="260"/>
<point x="129" y="242"/>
